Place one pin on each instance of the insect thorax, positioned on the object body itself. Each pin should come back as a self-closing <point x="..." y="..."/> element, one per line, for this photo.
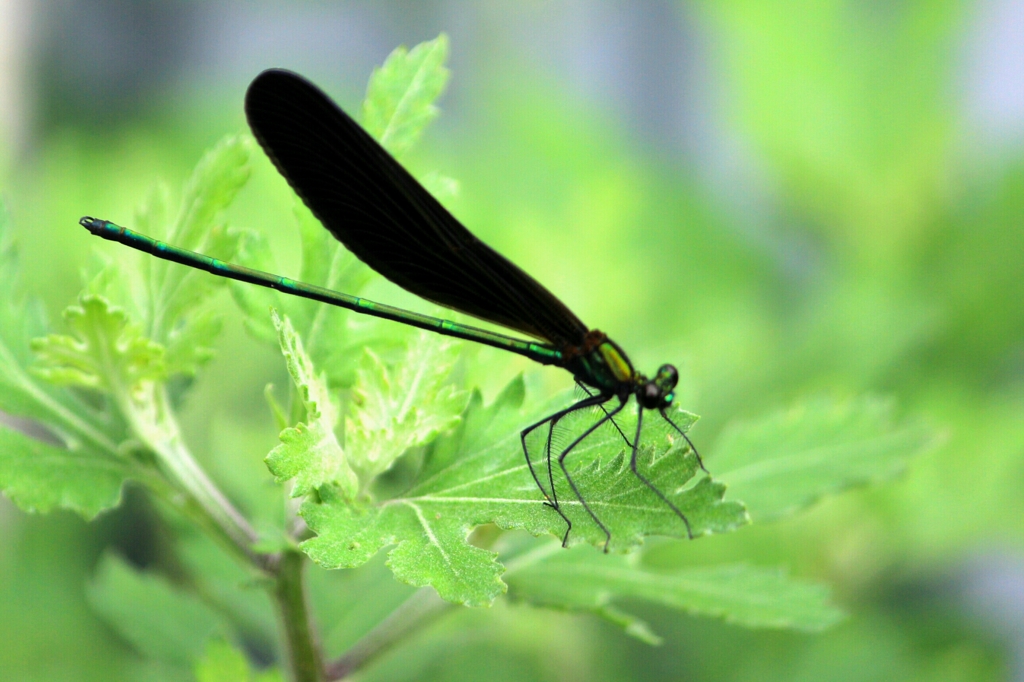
<point x="604" y="365"/>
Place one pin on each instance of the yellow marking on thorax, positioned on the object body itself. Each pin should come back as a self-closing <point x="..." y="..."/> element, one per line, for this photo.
<point x="615" y="362"/>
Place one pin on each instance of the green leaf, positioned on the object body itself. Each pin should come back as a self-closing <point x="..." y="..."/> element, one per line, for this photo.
<point x="159" y="620"/>
<point x="753" y="597"/>
<point x="22" y="394"/>
<point x="216" y="180"/>
<point x="332" y="342"/>
<point x="309" y="452"/>
<point x="105" y="352"/>
<point x="25" y="395"/>
<point x="432" y="547"/>
<point x="335" y="337"/>
<point x="785" y="461"/>
<point x="312" y="456"/>
<point x="39" y="477"/>
<point x="402" y="405"/>
<point x="400" y="96"/>
<point x="165" y="297"/>
<point x="256" y="302"/>
<point x="190" y="345"/>
<point x="225" y="663"/>
<point x="480" y="477"/>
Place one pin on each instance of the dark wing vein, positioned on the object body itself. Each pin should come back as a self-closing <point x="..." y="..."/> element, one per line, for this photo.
<point x="385" y="217"/>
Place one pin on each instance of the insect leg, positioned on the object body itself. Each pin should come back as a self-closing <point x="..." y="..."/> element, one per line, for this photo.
<point x="552" y="499"/>
<point x="689" y="442"/>
<point x="605" y="410"/>
<point x="632" y="465"/>
<point x="526" y="453"/>
<point x="561" y="462"/>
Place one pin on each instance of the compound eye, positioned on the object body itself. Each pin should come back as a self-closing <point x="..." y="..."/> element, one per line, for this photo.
<point x="667" y="378"/>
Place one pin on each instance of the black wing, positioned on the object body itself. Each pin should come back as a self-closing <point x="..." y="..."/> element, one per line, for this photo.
<point x="379" y="212"/>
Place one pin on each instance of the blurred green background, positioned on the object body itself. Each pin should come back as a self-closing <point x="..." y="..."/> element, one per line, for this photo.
<point x="785" y="199"/>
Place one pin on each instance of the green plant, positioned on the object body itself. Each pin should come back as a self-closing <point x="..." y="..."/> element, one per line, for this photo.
<point x="381" y="448"/>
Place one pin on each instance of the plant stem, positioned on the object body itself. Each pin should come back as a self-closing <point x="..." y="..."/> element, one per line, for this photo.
<point x="157" y="428"/>
<point x="228" y="521"/>
<point x="300" y="635"/>
<point x="417" y="611"/>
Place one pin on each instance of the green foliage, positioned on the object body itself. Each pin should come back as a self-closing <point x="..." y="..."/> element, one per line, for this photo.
<point x="40" y="478"/>
<point x="105" y="353"/>
<point x="488" y="482"/>
<point x="403" y="404"/>
<point x="19" y="321"/>
<point x="157" y="619"/>
<point x="84" y="475"/>
<point x="785" y="461"/>
<point x="748" y="596"/>
<point x="309" y="452"/>
<point x="167" y="300"/>
<point x="224" y="663"/>
<point x="22" y="394"/>
<point x="400" y="98"/>
<point x="840" y="108"/>
<point x="385" y="446"/>
<point x="331" y="338"/>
